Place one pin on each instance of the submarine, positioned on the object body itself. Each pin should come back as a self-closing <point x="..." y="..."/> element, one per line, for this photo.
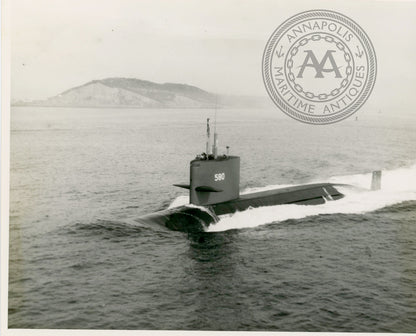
<point x="214" y="190"/>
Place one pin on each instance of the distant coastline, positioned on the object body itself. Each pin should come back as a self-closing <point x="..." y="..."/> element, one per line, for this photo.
<point x="137" y="93"/>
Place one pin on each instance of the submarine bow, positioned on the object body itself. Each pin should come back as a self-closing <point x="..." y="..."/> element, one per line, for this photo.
<point x="184" y="218"/>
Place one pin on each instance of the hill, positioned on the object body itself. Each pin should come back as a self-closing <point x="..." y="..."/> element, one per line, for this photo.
<point x="136" y="93"/>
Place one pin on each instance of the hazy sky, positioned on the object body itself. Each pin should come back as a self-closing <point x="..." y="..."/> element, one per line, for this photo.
<point x="216" y="45"/>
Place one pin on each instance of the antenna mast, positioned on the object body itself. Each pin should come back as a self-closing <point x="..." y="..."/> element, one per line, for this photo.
<point x="215" y="144"/>
<point x="207" y="150"/>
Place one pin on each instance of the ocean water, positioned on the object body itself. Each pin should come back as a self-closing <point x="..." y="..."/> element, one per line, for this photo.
<point x="79" y="259"/>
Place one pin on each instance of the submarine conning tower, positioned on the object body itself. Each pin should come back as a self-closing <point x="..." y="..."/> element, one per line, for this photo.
<point x="213" y="178"/>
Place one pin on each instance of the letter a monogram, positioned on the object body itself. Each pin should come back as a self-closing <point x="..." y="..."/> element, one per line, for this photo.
<point x="319" y="67"/>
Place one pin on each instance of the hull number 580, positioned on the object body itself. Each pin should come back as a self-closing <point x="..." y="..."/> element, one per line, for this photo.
<point x="219" y="177"/>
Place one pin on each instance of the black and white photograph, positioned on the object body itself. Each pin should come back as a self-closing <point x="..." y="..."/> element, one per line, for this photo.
<point x="208" y="167"/>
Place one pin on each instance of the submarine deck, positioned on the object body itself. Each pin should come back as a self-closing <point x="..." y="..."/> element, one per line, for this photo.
<point x="309" y="194"/>
<point x="194" y="219"/>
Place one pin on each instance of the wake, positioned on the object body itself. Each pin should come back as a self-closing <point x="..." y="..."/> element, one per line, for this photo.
<point x="397" y="186"/>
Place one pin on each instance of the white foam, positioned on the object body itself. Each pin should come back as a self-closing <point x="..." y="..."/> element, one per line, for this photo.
<point x="269" y="187"/>
<point x="178" y="201"/>
<point x="396" y="186"/>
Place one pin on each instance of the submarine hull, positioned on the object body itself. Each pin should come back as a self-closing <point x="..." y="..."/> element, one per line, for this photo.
<point x="183" y="218"/>
<point x="190" y="218"/>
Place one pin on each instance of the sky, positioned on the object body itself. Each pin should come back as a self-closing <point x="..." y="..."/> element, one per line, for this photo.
<point x="216" y="45"/>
